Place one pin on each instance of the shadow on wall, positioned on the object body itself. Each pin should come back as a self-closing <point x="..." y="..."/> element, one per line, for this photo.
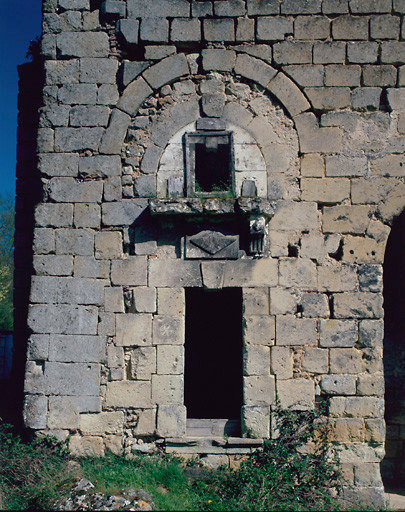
<point x="28" y="194"/>
<point x="393" y="466"/>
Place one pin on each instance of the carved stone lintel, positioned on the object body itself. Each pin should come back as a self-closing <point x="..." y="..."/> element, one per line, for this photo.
<point x="212" y="245"/>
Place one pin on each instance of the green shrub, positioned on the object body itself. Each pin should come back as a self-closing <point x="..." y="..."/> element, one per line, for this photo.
<point x="31" y="473"/>
<point x="282" y="476"/>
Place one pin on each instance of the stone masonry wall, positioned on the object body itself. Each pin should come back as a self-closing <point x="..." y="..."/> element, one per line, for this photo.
<point x="314" y="93"/>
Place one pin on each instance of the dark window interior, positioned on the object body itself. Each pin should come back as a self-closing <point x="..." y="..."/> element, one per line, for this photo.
<point x="212" y="166"/>
<point x="213" y="373"/>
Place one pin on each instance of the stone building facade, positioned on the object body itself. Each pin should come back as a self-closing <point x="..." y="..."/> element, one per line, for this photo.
<point x="218" y="182"/>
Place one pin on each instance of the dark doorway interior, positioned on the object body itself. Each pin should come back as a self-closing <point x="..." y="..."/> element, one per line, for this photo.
<point x="393" y="466"/>
<point x="213" y="374"/>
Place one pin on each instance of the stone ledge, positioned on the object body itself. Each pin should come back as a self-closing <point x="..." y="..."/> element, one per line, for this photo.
<point x="210" y="206"/>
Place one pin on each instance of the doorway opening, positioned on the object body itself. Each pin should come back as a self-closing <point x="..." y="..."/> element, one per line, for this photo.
<point x="393" y="466"/>
<point x="213" y="360"/>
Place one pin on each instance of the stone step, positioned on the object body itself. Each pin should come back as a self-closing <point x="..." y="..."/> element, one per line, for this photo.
<point x="212" y="427"/>
<point x="212" y="445"/>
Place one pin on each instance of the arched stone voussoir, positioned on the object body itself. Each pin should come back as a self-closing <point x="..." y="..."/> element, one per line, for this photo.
<point x="114" y="135"/>
<point x="289" y="94"/>
<point x="254" y="69"/>
<point x="166" y="71"/>
<point x="134" y="95"/>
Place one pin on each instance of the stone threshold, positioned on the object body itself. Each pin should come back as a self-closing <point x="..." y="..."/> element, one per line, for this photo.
<point x="212" y="445"/>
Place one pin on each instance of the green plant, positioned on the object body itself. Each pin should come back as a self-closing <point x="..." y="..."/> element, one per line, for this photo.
<point x="283" y="475"/>
<point x="32" y="474"/>
<point x="6" y="262"/>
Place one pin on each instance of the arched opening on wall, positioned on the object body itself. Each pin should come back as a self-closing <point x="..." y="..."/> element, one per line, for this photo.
<point x="393" y="466"/>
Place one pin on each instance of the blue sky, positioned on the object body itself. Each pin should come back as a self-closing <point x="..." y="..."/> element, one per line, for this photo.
<point x="20" y="22"/>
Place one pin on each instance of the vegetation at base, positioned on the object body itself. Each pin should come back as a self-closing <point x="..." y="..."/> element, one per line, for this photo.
<point x="32" y="474"/>
<point x="282" y="476"/>
<point x="6" y="262"/>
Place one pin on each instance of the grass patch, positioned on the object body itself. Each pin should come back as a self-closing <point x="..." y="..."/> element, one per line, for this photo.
<point x="282" y="476"/>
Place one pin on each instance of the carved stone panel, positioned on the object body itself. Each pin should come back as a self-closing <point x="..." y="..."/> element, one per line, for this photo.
<point x="212" y="245"/>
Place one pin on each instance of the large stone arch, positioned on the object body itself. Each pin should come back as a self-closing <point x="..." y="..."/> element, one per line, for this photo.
<point x="312" y="137"/>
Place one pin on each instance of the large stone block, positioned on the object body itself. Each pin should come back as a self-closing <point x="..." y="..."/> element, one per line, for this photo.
<point x="102" y="423"/>
<point x="143" y="363"/>
<point x="297" y="394"/>
<point x="185" y="29"/>
<point x="254" y="69"/>
<point x="87" y="215"/>
<point x="292" y="52"/>
<point x="358" y="305"/>
<point x="315" y="360"/>
<point x="329" y="53"/>
<point x="164" y="8"/>
<point x="129" y="272"/>
<point x="171" y="301"/>
<point x="95" y="115"/>
<point x="259" y="330"/>
<point x="98" y="71"/>
<point x="259" y="390"/>
<point x="70" y="379"/>
<point x="295" y="216"/>
<point x="171" y="420"/>
<point x="263" y="8"/>
<point x="35" y="411"/>
<point x="346" y="219"/>
<point x="315" y="305"/>
<point x="70" y="190"/>
<point x="168" y="330"/>
<point x="63" y="412"/>
<point x="251" y="273"/>
<point x="338" y="333"/>
<point x="66" y="290"/>
<point x="58" y="164"/>
<point x="54" y="215"/>
<point x="282" y="362"/>
<point x="328" y="98"/>
<point x="301" y="273"/>
<point x="371" y="333"/>
<point x="256" y="421"/>
<point x="87" y="266"/>
<point x="168" y="389"/>
<point x="113" y="137"/>
<point x="77" y="349"/>
<point x="346" y="360"/>
<point x="123" y="213"/>
<point x="370" y="385"/>
<point x="128" y="394"/>
<point x="87" y="446"/>
<point x="337" y="277"/>
<point x="134" y="330"/>
<point x="88" y="44"/>
<point x="294" y="331"/>
<point x="256" y="301"/>
<point x="288" y="94"/>
<point x="108" y="245"/>
<point x="63" y="319"/>
<point x="170" y="360"/>
<point x="51" y="265"/>
<point x="379" y="75"/>
<point x="256" y="360"/>
<point x="174" y="273"/>
<point x="338" y="384"/>
<point x="217" y="30"/>
<point x="274" y="28"/>
<point x="218" y="60"/>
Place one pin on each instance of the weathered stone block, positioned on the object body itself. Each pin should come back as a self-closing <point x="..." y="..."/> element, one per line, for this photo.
<point x="370" y="385"/>
<point x="292" y="52"/>
<point x="338" y="333"/>
<point x="371" y="333"/>
<point x="256" y="301"/>
<point x="62" y="72"/>
<point x="54" y="215"/>
<point x="38" y="346"/>
<point x="102" y="423"/>
<point x="295" y="216"/>
<point x="350" y="27"/>
<point x="245" y="29"/>
<point x="300" y="273"/>
<point x="170" y="360"/>
<point x="256" y="421"/>
<point x="251" y="273"/>
<point x="171" y="420"/>
<point x="154" y="30"/>
<point x="289" y="94"/>
<point x="329" y="53"/>
<point x="283" y="301"/>
<point x="259" y="390"/>
<point x="60" y="164"/>
<point x="312" y="166"/>
<point x="185" y="29"/>
<point x="328" y="98"/>
<point x="77" y="139"/>
<point x="263" y="7"/>
<point x="366" y="98"/>
<point x="294" y="331"/>
<point x="89" y="115"/>
<point x="168" y="389"/>
<point x="259" y="330"/>
<point x="346" y="219"/>
<point x="379" y="76"/>
<point x="311" y="27"/>
<point x="107" y="94"/>
<point x="85" y="266"/>
<point x="282" y="362"/>
<point x="306" y="75"/>
<point x="89" y="44"/>
<point x="78" y="242"/>
<point x="256" y="360"/>
<point x="274" y="28"/>
<point x="87" y="446"/>
<point x="143" y="363"/>
<point x="393" y="52"/>
<point x="122" y="213"/>
<point x="219" y="29"/>
<point x="77" y="349"/>
<point x="35" y="411"/>
<point x="44" y="240"/>
<point x="346" y="360"/>
<point x="129" y="272"/>
<point x="171" y="301"/>
<point x="63" y="412"/>
<point x="166" y="71"/>
<point x="62" y="319"/>
<point x="168" y="330"/>
<point x="108" y="245"/>
<point x="134" y="330"/>
<point x="87" y="215"/>
<point x="358" y="305"/>
<point x="315" y="360"/>
<point x="297" y="394"/>
<point x="338" y="384"/>
<point x="145" y="299"/>
<point x="218" y="60"/>
<point x="128" y="394"/>
<point x="115" y="357"/>
<point x="70" y="190"/>
<point x="174" y="273"/>
<point x="113" y="137"/>
<point x="98" y="71"/>
<point x="315" y="305"/>
<point x="327" y="190"/>
<point x="370" y="278"/>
